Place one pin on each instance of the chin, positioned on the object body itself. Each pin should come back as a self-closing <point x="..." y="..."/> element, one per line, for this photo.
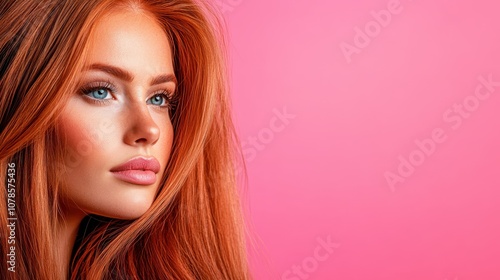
<point x="126" y="210"/>
<point x="131" y="212"/>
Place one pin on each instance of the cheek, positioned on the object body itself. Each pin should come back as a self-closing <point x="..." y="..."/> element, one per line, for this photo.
<point x="86" y="140"/>
<point x="82" y="140"/>
<point x="85" y="133"/>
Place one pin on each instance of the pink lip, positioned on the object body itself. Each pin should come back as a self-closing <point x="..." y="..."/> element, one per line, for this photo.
<point x="138" y="170"/>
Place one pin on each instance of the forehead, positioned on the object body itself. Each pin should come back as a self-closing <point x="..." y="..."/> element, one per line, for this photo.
<point x="130" y="40"/>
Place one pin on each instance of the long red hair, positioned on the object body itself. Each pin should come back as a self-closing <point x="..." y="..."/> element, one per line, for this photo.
<point x="194" y="229"/>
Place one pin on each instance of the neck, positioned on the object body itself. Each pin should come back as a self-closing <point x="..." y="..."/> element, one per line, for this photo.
<point x="67" y="229"/>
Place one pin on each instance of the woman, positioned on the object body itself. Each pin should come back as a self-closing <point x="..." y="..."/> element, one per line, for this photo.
<point x="116" y="144"/>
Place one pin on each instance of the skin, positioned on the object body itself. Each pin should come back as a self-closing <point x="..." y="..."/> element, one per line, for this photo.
<point x="133" y="121"/>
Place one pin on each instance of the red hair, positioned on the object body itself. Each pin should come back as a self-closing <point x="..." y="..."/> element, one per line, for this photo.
<point x="194" y="228"/>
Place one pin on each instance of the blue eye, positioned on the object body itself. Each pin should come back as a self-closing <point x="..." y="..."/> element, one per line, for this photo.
<point x="159" y="100"/>
<point x="98" y="93"/>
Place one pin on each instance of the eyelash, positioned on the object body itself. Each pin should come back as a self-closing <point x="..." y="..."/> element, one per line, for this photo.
<point x="169" y="96"/>
<point x="95" y="86"/>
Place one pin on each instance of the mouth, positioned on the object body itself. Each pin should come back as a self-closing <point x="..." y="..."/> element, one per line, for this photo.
<point x="138" y="171"/>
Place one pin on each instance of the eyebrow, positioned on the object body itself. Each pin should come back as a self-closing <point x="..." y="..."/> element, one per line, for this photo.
<point x="127" y="76"/>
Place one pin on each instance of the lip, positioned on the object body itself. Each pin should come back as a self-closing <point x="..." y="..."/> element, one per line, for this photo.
<point x="138" y="170"/>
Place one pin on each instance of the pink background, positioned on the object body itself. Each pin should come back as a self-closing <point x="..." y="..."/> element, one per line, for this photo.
<point x="319" y="174"/>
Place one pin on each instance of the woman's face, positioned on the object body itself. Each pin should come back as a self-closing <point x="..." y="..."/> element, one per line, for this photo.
<point x="120" y="113"/>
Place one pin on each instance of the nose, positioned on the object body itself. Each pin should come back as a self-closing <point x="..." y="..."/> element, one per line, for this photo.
<point x="141" y="127"/>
